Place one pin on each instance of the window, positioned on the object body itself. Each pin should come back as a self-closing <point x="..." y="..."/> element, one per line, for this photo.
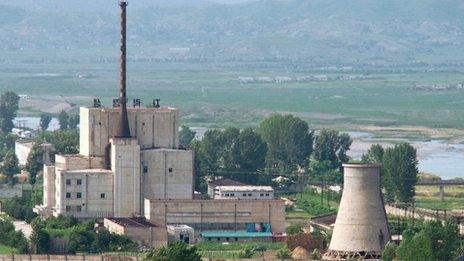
<point x="79" y="182"/>
<point x="68" y="195"/>
<point x="79" y="195"/>
<point x="261" y="195"/>
<point x="68" y="182"/>
<point x="267" y="194"/>
<point x="227" y="194"/>
<point x="145" y="169"/>
<point x="68" y="208"/>
<point x="227" y="239"/>
<point x="244" y="194"/>
<point x="232" y="195"/>
<point x="170" y="170"/>
<point x="218" y="239"/>
<point x="249" y="194"/>
<point x="236" y="239"/>
<point x="78" y="208"/>
<point x="102" y="195"/>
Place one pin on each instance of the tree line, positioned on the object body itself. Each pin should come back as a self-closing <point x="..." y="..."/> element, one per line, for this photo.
<point x="285" y="145"/>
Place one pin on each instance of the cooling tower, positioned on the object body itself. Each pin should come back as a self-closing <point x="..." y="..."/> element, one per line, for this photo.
<point x="361" y="229"/>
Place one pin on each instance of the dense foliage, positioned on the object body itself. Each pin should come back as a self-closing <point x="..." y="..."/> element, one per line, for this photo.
<point x="10" y="166"/>
<point x="63" y="119"/>
<point x="289" y="141"/>
<point x="10" y="237"/>
<point x="9" y="105"/>
<point x="399" y="173"/>
<point x="331" y="146"/>
<point x="19" y="208"/>
<point x="174" y="252"/>
<point x="45" y="120"/>
<point x="34" y="162"/>
<point x="430" y="240"/>
<point x="186" y="136"/>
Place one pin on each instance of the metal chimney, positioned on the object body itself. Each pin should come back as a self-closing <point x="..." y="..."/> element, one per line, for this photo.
<point x="361" y="229"/>
<point x="123" y="130"/>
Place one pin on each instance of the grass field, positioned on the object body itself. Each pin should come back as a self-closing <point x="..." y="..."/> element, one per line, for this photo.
<point x="211" y="94"/>
<point x="232" y="250"/>
<point x="428" y="197"/>
<point x="6" y="249"/>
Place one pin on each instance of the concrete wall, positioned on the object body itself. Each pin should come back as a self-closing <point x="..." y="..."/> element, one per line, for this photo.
<point x="153" y="128"/>
<point x="7" y="191"/>
<point x="16" y="257"/>
<point x="251" y="194"/>
<point x="22" y="150"/>
<point x="167" y="174"/>
<point x="94" y="183"/>
<point x="145" y="236"/>
<point x="217" y="214"/>
<point x="361" y="224"/>
<point x="49" y="186"/>
<point x="125" y="163"/>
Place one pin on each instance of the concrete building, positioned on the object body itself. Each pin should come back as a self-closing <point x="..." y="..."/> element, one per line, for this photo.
<point x="213" y="184"/>
<point x="145" y="233"/>
<point x="230" y="217"/>
<point x="244" y="192"/>
<point x="182" y="233"/>
<point x="361" y="228"/>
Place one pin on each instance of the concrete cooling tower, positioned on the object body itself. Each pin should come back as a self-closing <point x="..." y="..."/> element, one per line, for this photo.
<point x="361" y="230"/>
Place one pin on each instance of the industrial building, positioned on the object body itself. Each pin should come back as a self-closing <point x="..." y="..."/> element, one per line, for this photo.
<point x="361" y="228"/>
<point x="130" y="166"/>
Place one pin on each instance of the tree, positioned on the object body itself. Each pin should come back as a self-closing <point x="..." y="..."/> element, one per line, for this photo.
<point x="9" y="105"/>
<point x="63" y="119"/>
<point x="45" y="120"/>
<point x="283" y="253"/>
<point x="332" y="146"/>
<point x="34" y="162"/>
<point x="252" y="151"/>
<point x="415" y="247"/>
<point x="10" y="237"/>
<point x="174" y="252"/>
<point x="400" y="172"/>
<point x="323" y="172"/>
<point x="40" y="239"/>
<point x="73" y="121"/>
<point x="388" y="254"/>
<point x="294" y="229"/>
<point x="374" y="154"/>
<point x="10" y="166"/>
<point x="65" y="142"/>
<point x="186" y="135"/>
<point x="289" y="142"/>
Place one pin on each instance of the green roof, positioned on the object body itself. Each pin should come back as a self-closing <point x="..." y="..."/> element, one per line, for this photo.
<point x="235" y="234"/>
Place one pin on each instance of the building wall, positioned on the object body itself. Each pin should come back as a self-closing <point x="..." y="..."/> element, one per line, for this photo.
<point x="167" y="174"/>
<point x="7" y="191"/>
<point x="146" y="236"/>
<point x="78" y="162"/>
<point x="93" y="184"/>
<point x="49" y="186"/>
<point x="153" y="128"/>
<point x="125" y="163"/>
<point x="251" y="194"/>
<point x="208" y="214"/>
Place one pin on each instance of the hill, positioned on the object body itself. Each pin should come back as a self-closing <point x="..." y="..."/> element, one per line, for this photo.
<point x="314" y="30"/>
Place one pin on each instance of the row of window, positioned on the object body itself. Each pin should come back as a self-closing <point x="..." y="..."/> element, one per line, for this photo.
<point x="69" y="182"/>
<point x="244" y="194"/>
<point x="79" y="195"/>
<point x="145" y="169"/>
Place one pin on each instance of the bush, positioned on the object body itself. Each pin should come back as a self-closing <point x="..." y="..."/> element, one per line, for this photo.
<point x="388" y="253"/>
<point x="176" y="252"/>
<point x="294" y="229"/>
<point x="19" y="208"/>
<point x="284" y="253"/>
<point x="10" y="237"/>
<point x="247" y="252"/>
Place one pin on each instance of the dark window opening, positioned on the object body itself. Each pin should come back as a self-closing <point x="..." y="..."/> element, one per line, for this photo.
<point x="79" y="182"/>
<point x="68" y="195"/>
<point x="79" y="195"/>
<point x="145" y="169"/>
<point x="102" y="195"/>
<point x="68" y="182"/>
<point x="170" y="169"/>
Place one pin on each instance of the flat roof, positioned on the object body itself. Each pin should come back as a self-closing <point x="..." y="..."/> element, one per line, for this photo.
<point x="246" y="188"/>
<point x="132" y="222"/>
<point x="89" y="171"/>
<point x="241" y="234"/>
<point x="226" y="182"/>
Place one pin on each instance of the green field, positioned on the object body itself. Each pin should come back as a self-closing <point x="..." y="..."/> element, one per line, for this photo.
<point x="210" y="94"/>
<point x="428" y="197"/>
<point x="6" y="250"/>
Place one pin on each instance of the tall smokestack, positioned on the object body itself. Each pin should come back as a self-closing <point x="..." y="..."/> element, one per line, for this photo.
<point x="123" y="130"/>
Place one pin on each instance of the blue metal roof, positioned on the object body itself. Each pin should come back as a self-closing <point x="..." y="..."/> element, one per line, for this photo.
<point x="235" y="234"/>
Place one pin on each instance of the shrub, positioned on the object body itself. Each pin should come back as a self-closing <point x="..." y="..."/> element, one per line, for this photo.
<point x="294" y="229"/>
<point x="283" y="253"/>
<point x="176" y="252"/>
<point x="247" y="252"/>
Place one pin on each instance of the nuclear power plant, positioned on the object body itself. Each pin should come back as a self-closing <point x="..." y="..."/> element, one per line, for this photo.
<point x="361" y="229"/>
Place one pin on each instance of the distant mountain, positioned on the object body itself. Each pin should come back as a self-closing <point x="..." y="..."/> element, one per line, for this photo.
<point x="332" y="30"/>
